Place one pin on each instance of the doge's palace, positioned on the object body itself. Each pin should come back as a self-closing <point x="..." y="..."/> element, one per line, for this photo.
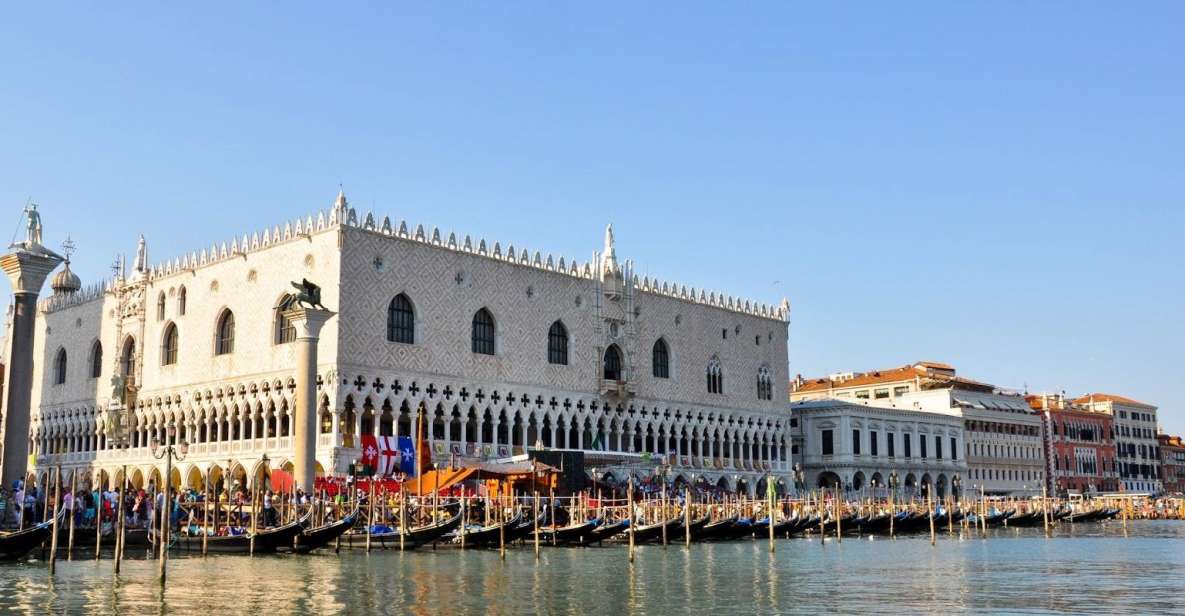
<point x="497" y="348"/>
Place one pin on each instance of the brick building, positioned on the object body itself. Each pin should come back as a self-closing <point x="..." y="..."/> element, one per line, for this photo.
<point x="1079" y="447"/>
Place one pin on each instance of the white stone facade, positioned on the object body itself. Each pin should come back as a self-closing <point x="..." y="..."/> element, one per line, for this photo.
<point x="233" y="407"/>
<point x="859" y="447"/>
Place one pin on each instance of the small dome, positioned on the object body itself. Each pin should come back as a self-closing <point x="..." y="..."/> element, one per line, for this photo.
<point x="66" y="281"/>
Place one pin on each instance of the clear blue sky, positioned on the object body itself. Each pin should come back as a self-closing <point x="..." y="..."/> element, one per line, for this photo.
<point x="1000" y="187"/>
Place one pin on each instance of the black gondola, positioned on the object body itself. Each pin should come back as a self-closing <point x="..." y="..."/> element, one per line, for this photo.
<point x="653" y="532"/>
<point x="16" y="544"/>
<point x="714" y="531"/>
<point x="608" y="531"/>
<point x="266" y="540"/>
<point x="311" y="539"/>
<point x="578" y="534"/>
<point x="492" y="534"/>
<point x="415" y="537"/>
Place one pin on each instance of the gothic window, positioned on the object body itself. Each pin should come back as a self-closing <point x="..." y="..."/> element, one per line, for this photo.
<point x="224" y="340"/>
<point x="557" y="344"/>
<point x="715" y="377"/>
<point x="765" y="388"/>
<point x="285" y="329"/>
<point x="661" y="359"/>
<point x="401" y="320"/>
<point x="181" y="296"/>
<point x="127" y="360"/>
<point x="168" y="346"/>
<point x="483" y="332"/>
<point x="96" y="359"/>
<point x="612" y="363"/>
<point x="160" y="306"/>
<point x="59" y="368"/>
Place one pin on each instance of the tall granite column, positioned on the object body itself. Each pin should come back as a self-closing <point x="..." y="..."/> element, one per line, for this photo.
<point x="308" y="322"/>
<point x="27" y="267"/>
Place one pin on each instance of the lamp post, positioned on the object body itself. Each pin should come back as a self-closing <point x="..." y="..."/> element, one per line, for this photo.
<point x="168" y="452"/>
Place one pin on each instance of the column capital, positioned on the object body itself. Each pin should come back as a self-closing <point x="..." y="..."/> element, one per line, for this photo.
<point x="308" y="321"/>
<point x="28" y="269"/>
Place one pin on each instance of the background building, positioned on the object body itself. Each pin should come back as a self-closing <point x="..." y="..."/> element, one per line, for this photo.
<point x="1172" y="463"/>
<point x="1079" y="447"/>
<point x="859" y="447"/>
<point x="1003" y="447"/>
<point x="1136" y="446"/>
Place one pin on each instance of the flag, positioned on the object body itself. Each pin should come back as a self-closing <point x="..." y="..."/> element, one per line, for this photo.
<point x="597" y="444"/>
<point x="370" y="454"/>
<point x="389" y="456"/>
<point x="407" y="457"/>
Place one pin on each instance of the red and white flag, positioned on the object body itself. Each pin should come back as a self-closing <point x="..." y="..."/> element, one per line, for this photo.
<point x="389" y="456"/>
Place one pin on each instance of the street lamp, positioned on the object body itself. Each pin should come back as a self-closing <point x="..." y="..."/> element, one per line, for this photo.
<point x="168" y="452"/>
<point x="894" y="481"/>
<point x="955" y="484"/>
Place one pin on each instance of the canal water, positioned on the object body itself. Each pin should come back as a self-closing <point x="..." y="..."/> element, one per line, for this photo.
<point x="1091" y="568"/>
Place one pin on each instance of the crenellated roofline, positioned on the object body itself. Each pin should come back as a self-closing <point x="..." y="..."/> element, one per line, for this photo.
<point x="342" y="215"/>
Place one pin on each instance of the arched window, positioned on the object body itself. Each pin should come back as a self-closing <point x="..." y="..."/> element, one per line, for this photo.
<point x="765" y="387"/>
<point x="224" y="339"/>
<point x="96" y="359"/>
<point x="168" y="345"/>
<point x="59" y="367"/>
<point x="401" y="320"/>
<point x="557" y="344"/>
<point x="127" y="359"/>
<point x="181" y="296"/>
<point x="661" y="359"/>
<point x="612" y="363"/>
<point x="715" y="377"/>
<point x="160" y="306"/>
<point x="285" y="330"/>
<point x="483" y="332"/>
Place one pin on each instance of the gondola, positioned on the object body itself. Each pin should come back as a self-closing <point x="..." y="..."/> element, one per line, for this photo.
<point x="16" y="544"/>
<point x="415" y="537"/>
<point x="998" y="518"/>
<point x="1031" y="518"/>
<point x="266" y="540"/>
<point x="740" y="528"/>
<point x="679" y="530"/>
<point x="578" y="534"/>
<point x="481" y="536"/>
<point x="311" y="539"/>
<point x="876" y="524"/>
<point x="653" y="532"/>
<point x="717" y="530"/>
<point x="608" y="531"/>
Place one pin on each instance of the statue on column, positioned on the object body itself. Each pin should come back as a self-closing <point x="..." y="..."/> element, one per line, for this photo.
<point x="32" y="225"/>
<point x="309" y="294"/>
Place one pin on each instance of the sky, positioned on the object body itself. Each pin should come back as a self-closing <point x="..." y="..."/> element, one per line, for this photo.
<point x="1000" y="187"/>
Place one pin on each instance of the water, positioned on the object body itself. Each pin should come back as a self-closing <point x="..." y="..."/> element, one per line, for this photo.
<point x="1089" y="569"/>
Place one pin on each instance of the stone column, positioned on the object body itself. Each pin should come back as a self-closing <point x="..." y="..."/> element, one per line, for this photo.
<point x="308" y="322"/>
<point x="27" y="267"/>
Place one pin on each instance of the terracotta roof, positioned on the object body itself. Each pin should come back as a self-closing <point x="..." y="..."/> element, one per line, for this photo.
<point x="1087" y="399"/>
<point x="935" y="364"/>
<point x="904" y="373"/>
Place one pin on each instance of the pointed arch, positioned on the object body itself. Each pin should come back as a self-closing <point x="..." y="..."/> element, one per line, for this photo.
<point x="59" y="367"/>
<point x="160" y="306"/>
<point x="168" y="345"/>
<point x="612" y="364"/>
<point x="483" y="332"/>
<point x="715" y="376"/>
<point x="224" y="337"/>
<point x="127" y="357"/>
<point x="557" y="344"/>
<point x="661" y="359"/>
<point x="182" y="298"/>
<point x="96" y="359"/>
<point x="401" y="320"/>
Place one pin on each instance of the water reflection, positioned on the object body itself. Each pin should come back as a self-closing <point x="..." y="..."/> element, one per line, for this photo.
<point x="1085" y="569"/>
